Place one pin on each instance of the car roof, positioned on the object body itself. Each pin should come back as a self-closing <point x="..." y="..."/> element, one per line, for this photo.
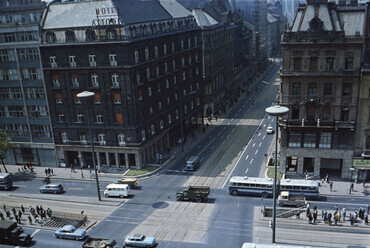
<point x="54" y="184"/>
<point x="112" y="185"/>
<point x="137" y="236"/>
<point x="67" y="227"/>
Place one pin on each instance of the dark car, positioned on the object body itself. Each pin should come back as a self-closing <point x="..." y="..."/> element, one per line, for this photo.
<point x="52" y="188"/>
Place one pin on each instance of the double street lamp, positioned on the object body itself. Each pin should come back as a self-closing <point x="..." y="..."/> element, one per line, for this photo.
<point x="277" y="111"/>
<point x="87" y="95"/>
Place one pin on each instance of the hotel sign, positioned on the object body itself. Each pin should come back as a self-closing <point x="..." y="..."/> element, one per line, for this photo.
<point x="105" y="17"/>
<point x="361" y="163"/>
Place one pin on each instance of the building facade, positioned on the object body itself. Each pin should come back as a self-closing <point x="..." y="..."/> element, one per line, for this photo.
<point x="144" y="65"/>
<point x="322" y="53"/>
<point x="24" y="113"/>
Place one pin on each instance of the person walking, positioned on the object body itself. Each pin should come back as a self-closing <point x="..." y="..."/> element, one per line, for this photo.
<point x="29" y="219"/>
<point x="366" y="218"/>
<point x="32" y="211"/>
<point x="344" y="213"/>
<point x="331" y="186"/>
<point x="46" y="172"/>
<point x="22" y="209"/>
<point x="314" y="216"/>
<point x="2" y="216"/>
<point x="37" y="209"/>
<point x="20" y="214"/>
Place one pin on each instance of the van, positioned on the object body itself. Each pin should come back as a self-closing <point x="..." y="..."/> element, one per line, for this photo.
<point x="192" y="164"/>
<point x="121" y="190"/>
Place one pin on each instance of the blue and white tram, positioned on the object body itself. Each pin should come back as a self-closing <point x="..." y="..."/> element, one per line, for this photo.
<point x="255" y="186"/>
<point x="307" y="188"/>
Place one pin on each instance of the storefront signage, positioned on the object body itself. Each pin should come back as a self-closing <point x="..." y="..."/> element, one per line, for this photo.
<point x="361" y="163"/>
<point x="105" y="17"/>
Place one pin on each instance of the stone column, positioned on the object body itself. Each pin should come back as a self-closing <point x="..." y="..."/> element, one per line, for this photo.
<point x="126" y="161"/>
<point x="98" y="159"/>
<point x="117" y="159"/>
<point x="300" y="166"/>
<point x="107" y="158"/>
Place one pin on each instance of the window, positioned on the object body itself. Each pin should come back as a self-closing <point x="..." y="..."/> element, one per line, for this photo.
<point x="8" y="74"/>
<point x="77" y="100"/>
<point x="168" y="100"/>
<point x="160" y="105"/>
<point x="309" y="140"/>
<point x="121" y="139"/>
<point x="136" y="55"/>
<point x="347" y="88"/>
<point x="64" y="136"/>
<point x="294" y="139"/>
<point x="142" y="135"/>
<point x="164" y="49"/>
<point x="137" y="76"/>
<point x="182" y="44"/>
<point x="146" y="53"/>
<point x="72" y="61"/>
<point x="158" y="87"/>
<point x="328" y="89"/>
<point x="101" y="138"/>
<point x="313" y="64"/>
<point x="325" y="140"/>
<point x="56" y="82"/>
<point x="83" y="139"/>
<point x="156" y="51"/>
<point x="119" y="118"/>
<point x="183" y="61"/>
<point x="196" y="57"/>
<point x="90" y="35"/>
<point x="312" y="89"/>
<point x="117" y="97"/>
<point x="70" y="36"/>
<point x="165" y="67"/>
<point x="189" y="59"/>
<point x="167" y="83"/>
<point x="99" y="118"/>
<point x="25" y="54"/>
<point x="152" y="129"/>
<point x="189" y="42"/>
<point x="61" y="117"/>
<point x="50" y="37"/>
<point x="169" y="119"/>
<point x="139" y="94"/>
<point x="196" y="41"/>
<point x="74" y="79"/>
<point x="177" y="114"/>
<point x="92" y="60"/>
<point x="197" y="70"/>
<point x="16" y="111"/>
<point x="311" y="112"/>
<point x="115" y="82"/>
<point x="112" y="59"/>
<point x="31" y="93"/>
<point x="111" y="34"/>
<point x="345" y="114"/>
<point x="173" y="46"/>
<point x="161" y="124"/>
<point x="326" y="113"/>
<point x="58" y="97"/>
<point x="30" y="73"/>
<point x="173" y="65"/>
<point x="183" y="76"/>
<point x="329" y="64"/>
<point x="157" y="70"/>
<point x="174" y="80"/>
<point x="80" y="118"/>
<point x="7" y="55"/>
<point x="296" y="89"/>
<point x="97" y="97"/>
<point x="53" y="61"/>
<point x="349" y="63"/>
<point x="295" y="112"/>
<point x="147" y="73"/>
<point x="151" y="109"/>
<point x="94" y="80"/>
<point x="297" y="64"/>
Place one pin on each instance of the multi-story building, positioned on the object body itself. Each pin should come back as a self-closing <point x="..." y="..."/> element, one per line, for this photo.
<point x="24" y="113"/>
<point x="361" y="161"/>
<point x="322" y="53"/>
<point x="144" y="65"/>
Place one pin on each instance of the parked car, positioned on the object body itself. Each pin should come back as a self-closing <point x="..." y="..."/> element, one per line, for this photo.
<point x="139" y="240"/>
<point x="52" y="188"/>
<point x="269" y="130"/>
<point x="132" y="182"/>
<point x="70" y="232"/>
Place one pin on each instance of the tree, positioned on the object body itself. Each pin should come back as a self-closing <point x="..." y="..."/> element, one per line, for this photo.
<point x="4" y="143"/>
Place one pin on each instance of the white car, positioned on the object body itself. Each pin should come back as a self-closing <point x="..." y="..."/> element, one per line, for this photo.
<point x="269" y="130"/>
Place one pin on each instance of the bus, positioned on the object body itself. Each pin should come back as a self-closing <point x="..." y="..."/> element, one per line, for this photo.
<point x="255" y="245"/>
<point x="257" y="186"/>
<point x="6" y="181"/>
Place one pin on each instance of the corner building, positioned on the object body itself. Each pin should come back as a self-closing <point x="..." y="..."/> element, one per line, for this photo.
<point x="142" y="61"/>
<point x="322" y="53"/>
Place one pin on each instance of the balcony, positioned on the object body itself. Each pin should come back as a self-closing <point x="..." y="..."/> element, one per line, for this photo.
<point x="365" y="153"/>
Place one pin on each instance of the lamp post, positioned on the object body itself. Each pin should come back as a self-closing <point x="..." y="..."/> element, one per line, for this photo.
<point x="87" y="95"/>
<point x="277" y="111"/>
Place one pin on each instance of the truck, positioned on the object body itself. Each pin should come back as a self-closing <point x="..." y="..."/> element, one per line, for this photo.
<point x="285" y="199"/>
<point x="198" y="193"/>
<point x="11" y="233"/>
<point x="132" y="182"/>
<point x="99" y="243"/>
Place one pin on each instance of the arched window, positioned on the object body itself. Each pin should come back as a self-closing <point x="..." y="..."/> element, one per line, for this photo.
<point x="50" y="37"/>
<point x="90" y="35"/>
<point x="326" y="113"/>
<point x="70" y="36"/>
<point x="345" y="114"/>
<point x="111" y="34"/>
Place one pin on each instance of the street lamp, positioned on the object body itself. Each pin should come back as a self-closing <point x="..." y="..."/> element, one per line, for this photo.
<point x="277" y="111"/>
<point x="87" y="95"/>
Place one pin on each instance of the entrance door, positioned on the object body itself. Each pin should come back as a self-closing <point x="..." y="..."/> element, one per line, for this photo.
<point x="308" y="165"/>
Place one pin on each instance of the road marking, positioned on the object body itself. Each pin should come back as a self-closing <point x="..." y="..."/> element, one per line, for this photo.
<point x="173" y="170"/>
<point x="260" y="144"/>
<point x="223" y="142"/>
<point x="228" y="136"/>
<point x="36" y="231"/>
<point x="233" y="129"/>
<point x="251" y="161"/>
<point x="264" y="136"/>
<point x="246" y="157"/>
<point x="213" y="147"/>
<point x="76" y="189"/>
<point x="222" y="136"/>
<point x="256" y="152"/>
<point x="19" y="186"/>
<point x="253" y="144"/>
<point x="246" y="171"/>
<point x="224" y="128"/>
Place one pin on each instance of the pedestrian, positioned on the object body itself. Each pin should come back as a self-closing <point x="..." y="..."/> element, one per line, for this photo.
<point x="351" y="218"/>
<point x="336" y="207"/>
<point x="51" y="171"/>
<point x="20" y="214"/>
<point x="37" y="209"/>
<point x="308" y="211"/>
<point x="314" y="216"/>
<point x="310" y="218"/>
<point x="327" y="178"/>
<point x="71" y="167"/>
<point x="331" y="186"/>
<point x="366" y="218"/>
<point x="37" y="219"/>
<point x="41" y="209"/>
<point x="22" y="209"/>
<point x="46" y="171"/>
<point x="16" y="218"/>
<point x="7" y="212"/>
<point x="4" y="206"/>
<point x="32" y="211"/>
<point x="329" y="218"/>
<point x="2" y="216"/>
<point x="361" y="213"/>
<point x="49" y="212"/>
<point x="344" y="213"/>
<point x="29" y="219"/>
<point x="14" y="211"/>
<point x="335" y="219"/>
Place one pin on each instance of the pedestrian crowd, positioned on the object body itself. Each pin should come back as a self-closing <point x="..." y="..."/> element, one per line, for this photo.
<point x="49" y="172"/>
<point x="337" y="215"/>
<point x="35" y="215"/>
